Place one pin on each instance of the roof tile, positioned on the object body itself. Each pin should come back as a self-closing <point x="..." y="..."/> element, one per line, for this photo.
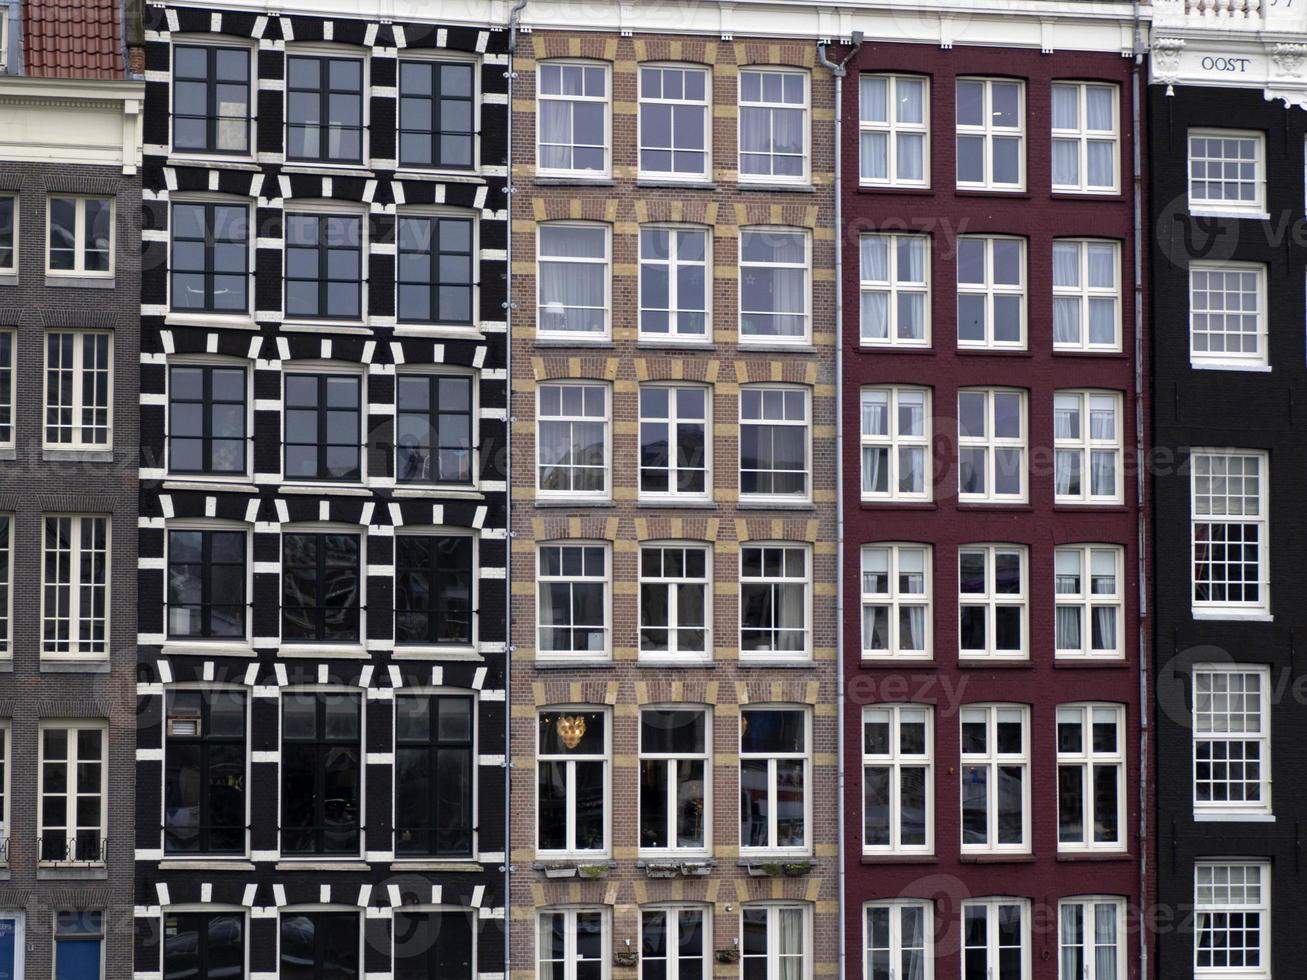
<point x="73" y="38"/>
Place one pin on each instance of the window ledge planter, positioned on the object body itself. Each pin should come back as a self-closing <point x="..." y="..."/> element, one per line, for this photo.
<point x="559" y="870"/>
<point x="627" y="957"/>
<point x="728" y="956"/>
<point x="788" y="869"/>
<point x="690" y="869"/>
<point x="593" y="872"/>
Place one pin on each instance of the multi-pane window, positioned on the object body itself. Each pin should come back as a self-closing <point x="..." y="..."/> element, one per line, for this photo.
<point x="894" y="113"/>
<point x="1085" y="137"/>
<point x="1227" y="171"/>
<point x="210" y="99"/>
<point x="1091" y="939"/>
<point x="78" y="389"/>
<point x="674" y="779"/>
<point x="773" y="285"/>
<point x="434" y="276"/>
<point x="1086" y="295"/>
<point x="73" y="758"/>
<point x="1232" y="920"/>
<point x="204" y="774"/>
<point x="895" y="290"/>
<point x="324" y="424"/>
<point x="773" y="125"/>
<point x="572" y="943"/>
<point x="1090" y="777"/>
<point x="1090" y="595"/>
<point x="992" y="593"/>
<point x="573" y="600"/>
<point x="78" y="945"/>
<point x="321" y="581"/>
<point x="896" y="618"/>
<point x="204" y="944"/>
<point x="775" y="941"/>
<point x="774" y="604"/>
<point x="434" y="773"/>
<point x="434" y="944"/>
<point x="7" y="387"/>
<point x="674" y="602"/>
<point x="433" y="428"/>
<point x="572" y="439"/>
<point x="674" y="434"/>
<point x="992" y="292"/>
<point x="572" y="118"/>
<point x="1087" y="447"/>
<point x="1231" y="567"/>
<point x="992" y="445"/>
<point x="1227" y="314"/>
<point x="896" y="444"/>
<point x="321" y="772"/>
<point x="324" y="262"/>
<point x="324" y="109"/>
<point x="897" y="780"/>
<point x="572" y="781"/>
<point x="991" y="134"/>
<point x="996" y="778"/>
<point x="774" y="779"/>
<point x="572" y="280"/>
<point x="8" y="233"/>
<point x="898" y="940"/>
<point x="80" y="236"/>
<point x="75" y="585"/>
<point x="206" y="584"/>
<point x="674" y="114"/>
<point x="673" y="284"/>
<point x="207" y="419"/>
<point x="996" y="938"/>
<point x="210" y="266"/>
<point x="437" y="109"/>
<point x="6" y="605"/>
<point x="434" y="589"/>
<point x="675" y="942"/>
<point x="318" y="945"/>
<point x="1232" y="738"/>
<point x="774" y="442"/>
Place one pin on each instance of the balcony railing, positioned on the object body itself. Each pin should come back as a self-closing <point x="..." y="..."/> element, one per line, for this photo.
<point x="83" y="849"/>
<point x="1210" y="14"/>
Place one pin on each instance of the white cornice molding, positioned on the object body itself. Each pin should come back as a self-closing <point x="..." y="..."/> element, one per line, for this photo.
<point x="72" y="120"/>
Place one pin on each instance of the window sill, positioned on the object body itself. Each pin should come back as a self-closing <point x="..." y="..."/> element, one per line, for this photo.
<point x="1233" y="615"/>
<point x="1076" y="857"/>
<point x="748" y="185"/>
<point x="1235" y="213"/>
<point x="881" y="350"/>
<point x="993" y="352"/>
<point x="426" y="492"/>
<point x="1091" y="197"/>
<point x="1089" y="663"/>
<point x="550" y="502"/>
<point x="694" y="504"/>
<point x="892" y="189"/>
<point x="577" y="180"/>
<point x="1115" y="355"/>
<point x="1015" y="507"/>
<point x="654" y="663"/>
<point x="746" y="346"/>
<point x="1015" y="193"/>
<point x="357" y="168"/>
<point x="345" y="651"/>
<point x="675" y="344"/>
<point x="176" y="863"/>
<point x="9" y="279"/>
<point x="1228" y="366"/>
<point x="996" y="859"/>
<point x="77" y="455"/>
<point x="556" y="341"/>
<point x="439" y="330"/>
<point x="326" y="326"/>
<point x="899" y="859"/>
<point x="986" y="663"/>
<point x="80" y="282"/>
<point x="316" y="489"/>
<point x="99" y="665"/>
<point x="8" y="452"/>
<point x="692" y="185"/>
<point x="573" y="663"/>
<point x="430" y="864"/>
<point x="199" y="648"/>
<point x="754" y="858"/>
<point x="208" y="484"/>
<point x="462" y="654"/>
<point x="317" y="864"/>
<point x="1200" y="817"/>
<point x="94" y="872"/>
<point x="926" y="505"/>
<point x="803" y="505"/>
<point x="1065" y="507"/>
<point x="790" y="663"/>
<point x="236" y="322"/>
<point x="894" y="663"/>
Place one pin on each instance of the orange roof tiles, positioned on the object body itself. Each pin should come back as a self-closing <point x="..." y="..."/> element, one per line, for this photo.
<point x="73" y="38"/>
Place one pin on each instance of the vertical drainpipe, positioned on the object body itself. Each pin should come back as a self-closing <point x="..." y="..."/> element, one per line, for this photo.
<point x="839" y="71"/>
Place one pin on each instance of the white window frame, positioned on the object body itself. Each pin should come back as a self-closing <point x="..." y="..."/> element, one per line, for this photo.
<point x="775" y="340"/>
<point x="761" y="420"/>
<point x="567" y="970"/>
<point x="895" y="950"/>
<point x="707" y="106"/>
<point x="1220" y="206"/>
<point x="671" y="420"/>
<point x="11" y="270"/>
<point x="991" y="600"/>
<point x="673" y="761"/>
<point x="79" y="270"/>
<point x="1243" y="911"/>
<point x="1085" y="296"/>
<point x="892" y="127"/>
<point x="988" y="131"/>
<point x="448" y="56"/>
<point x="896" y="601"/>
<point x="574" y="173"/>
<point x="607" y="583"/>
<point x="340" y="51"/>
<point x="671" y="959"/>
<point x="1085" y="447"/>
<point x="1258" y="360"/>
<point x="573" y="853"/>
<point x="779" y="656"/>
<point x="207" y="40"/>
<point x="1086" y="601"/>
<point x="992" y="907"/>
<point x="772" y="178"/>
<point x="6" y="784"/>
<point x="575" y="336"/>
<point x="243" y="317"/>
<point x="78" y="406"/>
<point x="1226" y="609"/>
<point x="992" y="444"/>
<point x="673" y="585"/>
<point x="896" y="444"/>
<point x="8" y="521"/>
<point x="896" y="761"/>
<point x="70" y="794"/>
<point x="993" y="760"/>
<point x="1088" y="906"/>
<point x="771" y="758"/>
<point x="75" y="586"/>
<point x="894" y="287"/>
<point x="1088" y="762"/>
<point x="991" y="290"/>
<point x="674" y="336"/>
<point x="1241" y="737"/>
<point x="321" y="368"/>
<point x="1082" y="136"/>
<point x="208" y="644"/>
<point x="211" y="361"/>
<point x="775" y="968"/>
<point x="606" y="492"/>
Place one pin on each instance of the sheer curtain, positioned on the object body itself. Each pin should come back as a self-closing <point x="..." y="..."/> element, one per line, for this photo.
<point x="1105" y="627"/>
<point x="875" y="469"/>
<point x="1066" y="309"/>
<point x="874" y="263"/>
<point x="913" y="942"/>
<point x="1073" y="953"/>
<point x="1099" y="112"/>
<point x="912" y="469"/>
<point x="791" y="944"/>
<point x="1105" y="942"/>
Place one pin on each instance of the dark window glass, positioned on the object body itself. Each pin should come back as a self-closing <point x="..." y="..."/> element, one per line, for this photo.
<point x="321" y="742"/>
<point x="319" y="946"/>
<point x="206" y="584"/>
<point x="8" y="205"/>
<point x="206" y="419"/>
<point x="433" y="776"/>
<point x="435" y="114"/>
<point x="435" y="270"/>
<point x="204" y="773"/>
<point x="323" y="426"/>
<point x="204" y="946"/>
<point x="324" y="109"/>
<point x="433" y="429"/>
<point x="320" y="587"/>
<point x="210" y="258"/>
<point x="323" y="266"/>
<point x="433" y="945"/>
<point x="6" y="386"/>
<point x="433" y="589"/>
<point x="211" y="99"/>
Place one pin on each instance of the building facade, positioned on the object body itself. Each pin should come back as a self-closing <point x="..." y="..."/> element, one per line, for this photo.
<point x="70" y="197"/>
<point x="321" y="762"/>
<point x="991" y="585"/>
<point x="1227" y="132"/>
<point x="673" y="625"/>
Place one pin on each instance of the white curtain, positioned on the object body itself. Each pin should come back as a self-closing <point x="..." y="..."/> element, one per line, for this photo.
<point x="913" y="942"/>
<point x="910" y="96"/>
<point x="910" y="156"/>
<point x="1102" y="161"/>
<point x="875" y="315"/>
<point x="791" y="945"/>
<point x="1104" y="627"/>
<point x="1066" y="472"/>
<point x="874" y="156"/>
<point x="912" y="316"/>
<point x="1099" y="103"/>
<point x="1072" y="941"/>
<point x="1066" y="107"/>
<point x="875" y="414"/>
<point x="1068" y="627"/>
<point x="912" y="627"/>
<point x="875" y="469"/>
<point x="1102" y="475"/>
<point x="875" y="627"/>
<point x="1066" y="161"/>
<point x="912" y="469"/>
<point x="1066" y="265"/>
<point x="1102" y="320"/>
<point x="1066" y="418"/>
<point x="873" y="92"/>
<point x="911" y="260"/>
<point x="1066" y="320"/>
<point x="1105" y="942"/>
<point x="874" y="253"/>
<point x="1102" y="266"/>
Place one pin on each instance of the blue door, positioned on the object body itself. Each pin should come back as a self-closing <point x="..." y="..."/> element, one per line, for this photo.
<point x="8" y="948"/>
